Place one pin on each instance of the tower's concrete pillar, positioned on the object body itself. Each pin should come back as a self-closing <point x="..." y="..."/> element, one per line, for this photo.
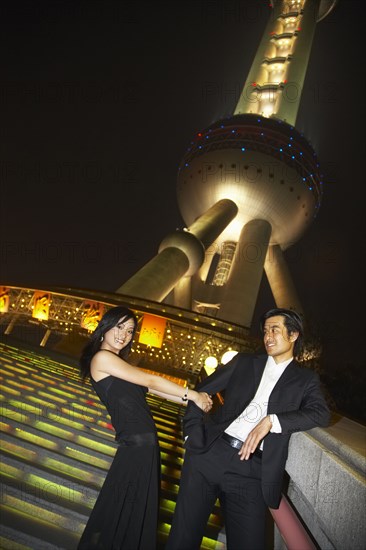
<point x="212" y="223"/>
<point x="180" y="253"/>
<point x="246" y="273"/>
<point x="209" y="226"/>
<point x="183" y="293"/>
<point x="280" y="280"/>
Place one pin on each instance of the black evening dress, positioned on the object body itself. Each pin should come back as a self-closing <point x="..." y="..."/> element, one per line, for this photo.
<point x="125" y="514"/>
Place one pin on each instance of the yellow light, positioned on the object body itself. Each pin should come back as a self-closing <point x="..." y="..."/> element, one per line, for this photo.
<point x="152" y="331"/>
<point x="211" y="362"/>
<point x="38" y="512"/>
<point x="92" y="313"/>
<point x="76" y="473"/>
<point x="4" y="299"/>
<point x="18" y="451"/>
<point x="41" y="441"/>
<point x="227" y="356"/>
<point x="41" y="305"/>
<point x="14" y="415"/>
<point x="91" y="444"/>
<point x="84" y="457"/>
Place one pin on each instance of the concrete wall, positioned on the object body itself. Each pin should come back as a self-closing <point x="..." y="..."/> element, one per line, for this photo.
<point x="328" y="485"/>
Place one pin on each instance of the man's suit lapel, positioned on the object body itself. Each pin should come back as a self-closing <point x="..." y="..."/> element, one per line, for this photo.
<point x="289" y="373"/>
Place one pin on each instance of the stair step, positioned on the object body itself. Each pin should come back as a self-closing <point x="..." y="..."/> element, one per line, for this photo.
<point x="206" y="544"/>
<point x="61" y="447"/>
<point x="57" y="449"/>
<point x="45" y="489"/>
<point x="21" y="531"/>
<point x="35" y="456"/>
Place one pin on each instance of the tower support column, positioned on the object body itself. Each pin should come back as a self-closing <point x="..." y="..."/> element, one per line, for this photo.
<point x="280" y="280"/>
<point x="241" y="293"/>
<point x="183" y="293"/>
<point x="158" y="277"/>
<point x="180" y="253"/>
<point x="212" y="223"/>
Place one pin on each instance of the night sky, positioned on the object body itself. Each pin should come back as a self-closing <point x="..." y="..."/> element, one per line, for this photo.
<point x="99" y="103"/>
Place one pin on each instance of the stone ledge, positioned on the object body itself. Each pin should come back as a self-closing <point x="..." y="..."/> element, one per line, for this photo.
<point x="328" y="484"/>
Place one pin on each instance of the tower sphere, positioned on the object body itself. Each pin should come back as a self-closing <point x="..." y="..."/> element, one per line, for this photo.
<point x="264" y="165"/>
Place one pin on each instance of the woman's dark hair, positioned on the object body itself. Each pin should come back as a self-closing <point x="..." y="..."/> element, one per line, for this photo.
<point x="109" y="320"/>
<point x="293" y="323"/>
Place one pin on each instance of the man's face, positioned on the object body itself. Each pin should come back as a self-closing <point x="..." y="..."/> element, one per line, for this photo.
<point x="278" y="343"/>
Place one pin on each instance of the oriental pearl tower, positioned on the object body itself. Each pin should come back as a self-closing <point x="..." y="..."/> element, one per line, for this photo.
<point x="248" y="186"/>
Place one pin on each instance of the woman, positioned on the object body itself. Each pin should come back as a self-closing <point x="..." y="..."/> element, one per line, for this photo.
<point x="126" y="511"/>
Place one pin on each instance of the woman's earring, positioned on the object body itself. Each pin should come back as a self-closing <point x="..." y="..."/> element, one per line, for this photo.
<point x="101" y="338"/>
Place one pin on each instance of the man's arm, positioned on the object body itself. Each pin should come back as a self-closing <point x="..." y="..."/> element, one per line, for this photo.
<point x="214" y="383"/>
<point x="313" y="412"/>
<point x="219" y="379"/>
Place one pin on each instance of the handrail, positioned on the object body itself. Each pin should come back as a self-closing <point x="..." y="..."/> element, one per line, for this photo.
<point x="290" y="527"/>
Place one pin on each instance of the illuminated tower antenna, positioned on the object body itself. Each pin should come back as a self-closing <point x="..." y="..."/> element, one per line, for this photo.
<point x="248" y="186"/>
<point x="276" y="77"/>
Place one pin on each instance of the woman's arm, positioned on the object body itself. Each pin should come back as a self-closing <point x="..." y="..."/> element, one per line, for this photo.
<point x="109" y="363"/>
<point x="168" y="396"/>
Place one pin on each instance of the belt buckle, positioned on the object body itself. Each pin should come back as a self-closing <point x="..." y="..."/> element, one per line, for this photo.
<point x="236" y="443"/>
<point x="232" y="441"/>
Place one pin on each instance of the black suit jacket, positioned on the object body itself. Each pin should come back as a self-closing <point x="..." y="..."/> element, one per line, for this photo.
<point x="296" y="399"/>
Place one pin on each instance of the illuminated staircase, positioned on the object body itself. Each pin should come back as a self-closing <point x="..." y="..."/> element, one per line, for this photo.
<point x="56" y="447"/>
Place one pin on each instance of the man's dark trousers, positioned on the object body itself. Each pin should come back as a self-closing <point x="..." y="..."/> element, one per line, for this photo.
<point x="219" y="473"/>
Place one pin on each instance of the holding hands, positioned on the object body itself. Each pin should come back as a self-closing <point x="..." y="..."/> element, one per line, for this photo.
<point x="203" y="401"/>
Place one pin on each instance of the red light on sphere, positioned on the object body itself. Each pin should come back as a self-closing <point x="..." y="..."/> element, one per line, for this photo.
<point x="199" y="135"/>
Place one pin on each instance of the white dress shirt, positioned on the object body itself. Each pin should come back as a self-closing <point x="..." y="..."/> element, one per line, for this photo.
<point x="257" y="408"/>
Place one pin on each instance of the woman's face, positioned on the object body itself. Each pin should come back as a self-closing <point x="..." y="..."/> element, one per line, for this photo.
<point x="119" y="336"/>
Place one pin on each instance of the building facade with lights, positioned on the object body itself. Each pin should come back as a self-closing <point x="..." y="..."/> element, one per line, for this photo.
<point x="168" y="340"/>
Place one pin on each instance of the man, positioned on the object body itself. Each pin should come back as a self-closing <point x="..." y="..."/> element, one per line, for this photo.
<point x="238" y="452"/>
